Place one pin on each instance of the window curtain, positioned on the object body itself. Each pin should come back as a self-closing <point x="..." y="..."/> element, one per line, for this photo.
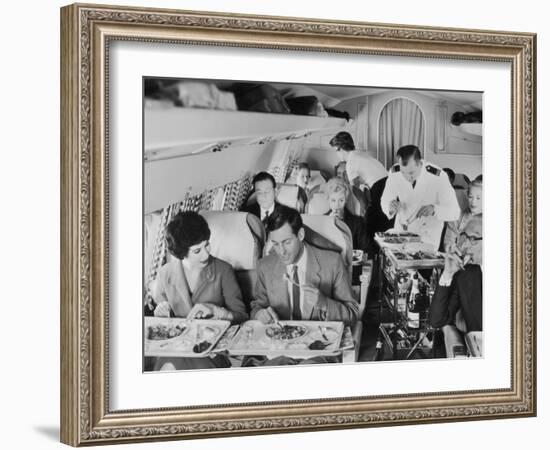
<point x="401" y="123"/>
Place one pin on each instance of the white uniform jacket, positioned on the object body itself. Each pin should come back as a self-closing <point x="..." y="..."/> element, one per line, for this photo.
<point x="432" y="187"/>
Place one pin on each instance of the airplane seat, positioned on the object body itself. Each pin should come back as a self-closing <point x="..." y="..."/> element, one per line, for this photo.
<point x="151" y="228"/>
<point x="317" y="203"/>
<point x="317" y="179"/>
<point x="330" y="233"/>
<point x="462" y="199"/>
<point x="336" y="232"/>
<point x="237" y="238"/>
<point x="356" y="202"/>
<point x="459" y="342"/>
<point x="287" y="194"/>
<point x="462" y="180"/>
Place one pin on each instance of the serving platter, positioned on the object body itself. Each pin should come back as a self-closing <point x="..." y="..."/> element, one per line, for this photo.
<point x="177" y="337"/>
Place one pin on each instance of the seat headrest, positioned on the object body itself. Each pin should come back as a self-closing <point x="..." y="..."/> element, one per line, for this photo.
<point x="236" y="237"/>
<point x="318" y="203"/>
<point x="461" y="180"/>
<point x="287" y="194"/>
<point x="316" y="179"/>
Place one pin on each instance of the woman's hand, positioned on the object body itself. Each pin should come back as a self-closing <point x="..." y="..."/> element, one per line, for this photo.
<point x="209" y="311"/>
<point x="453" y="261"/>
<point x="162" y="310"/>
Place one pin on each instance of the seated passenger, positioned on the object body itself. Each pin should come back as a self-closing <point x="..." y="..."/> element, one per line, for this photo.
<point x="195" y="285"/>
<point x="361" y="196"/>
<point x="299" y="281"/>
<point x="338" y="192"/>
<point x="460" y="284"/>
<point x="303" y="175"/>
<point x="265" y="188"/>
<point x="475" y="207"/>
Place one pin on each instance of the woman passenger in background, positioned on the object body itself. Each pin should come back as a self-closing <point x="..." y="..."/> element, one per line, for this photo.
<point x="475" y="208"/>
<point x="338" y="192"/>
<point x="195" y="285"/>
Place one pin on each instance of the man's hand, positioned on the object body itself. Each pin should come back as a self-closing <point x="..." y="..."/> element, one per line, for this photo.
<point x="395" y="207"/>
<point x="426" y="211"/>
<point x="162" y="310"/>
<point x="267" y="315"/>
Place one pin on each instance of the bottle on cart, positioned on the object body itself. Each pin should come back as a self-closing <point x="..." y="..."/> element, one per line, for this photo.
<point x="403" y="286"/>
<point x="414" y="304"/>
<point x="379" y="353"/>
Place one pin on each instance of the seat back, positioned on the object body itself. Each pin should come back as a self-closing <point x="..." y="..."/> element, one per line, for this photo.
<point x="462" y="198"/>
<point x="329" y="233"/>
<point x="287" y="194"/>
<point x="237" y="238"/>
<point x="317" y="179"/>
<point x="461" y="180"/>
<point x="317" y="203"/>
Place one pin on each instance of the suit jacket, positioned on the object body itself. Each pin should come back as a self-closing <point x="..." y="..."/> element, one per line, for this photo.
<point x="254" y="208"/>
<point x="465" y="293"/>
<point x="217" y="285"/>
<point x="325" y="271"/>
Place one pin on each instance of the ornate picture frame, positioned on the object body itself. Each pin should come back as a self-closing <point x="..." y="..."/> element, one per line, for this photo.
<point x="87" y="31"/>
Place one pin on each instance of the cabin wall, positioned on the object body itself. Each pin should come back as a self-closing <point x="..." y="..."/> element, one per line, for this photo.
<point x="171" y="180"/>
<point x="461" y="151"/>
<point x="317" y="152"/>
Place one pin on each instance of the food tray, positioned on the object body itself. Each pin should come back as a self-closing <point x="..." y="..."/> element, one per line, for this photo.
<point x="164" y="336"/>
<point x="396" y="237"/>
<point x="415" y="257"/>
<point x="255" y="338"/>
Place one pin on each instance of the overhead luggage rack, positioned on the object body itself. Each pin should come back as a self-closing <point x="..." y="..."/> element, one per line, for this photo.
<point x="177" y="132"/>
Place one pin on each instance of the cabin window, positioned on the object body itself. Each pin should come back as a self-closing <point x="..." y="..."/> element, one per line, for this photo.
<point x="401" y="123"/>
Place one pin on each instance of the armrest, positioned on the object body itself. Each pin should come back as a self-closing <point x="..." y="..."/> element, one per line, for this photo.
<point x="365" y="279"/>
<point x="455" y="346"/>
<point x="352" y="354"/>
<point x="474" y="342"/>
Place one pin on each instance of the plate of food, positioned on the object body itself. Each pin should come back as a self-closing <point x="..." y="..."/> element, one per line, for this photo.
<point x="285" y="332"/>
<point x="164" y="336"/>
<point x="163" y="332"/>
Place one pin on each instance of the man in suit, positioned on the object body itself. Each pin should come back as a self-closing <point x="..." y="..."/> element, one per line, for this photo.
<point x="265" y="189"/>
<point x="299" y="281"/>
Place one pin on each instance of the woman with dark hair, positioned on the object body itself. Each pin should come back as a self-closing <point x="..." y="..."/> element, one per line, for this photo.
<point x="195" y="285"/>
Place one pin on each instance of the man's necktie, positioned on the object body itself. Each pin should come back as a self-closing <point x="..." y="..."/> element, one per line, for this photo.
<point x="296" y="312"/>
<point x="266" y="216"/>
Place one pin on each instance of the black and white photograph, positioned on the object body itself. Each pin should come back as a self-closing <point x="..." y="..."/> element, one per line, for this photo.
<point x="289" y="224"/>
